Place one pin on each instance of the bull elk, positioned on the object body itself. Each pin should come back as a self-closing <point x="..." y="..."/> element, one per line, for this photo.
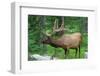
<point x="66" y="41"/>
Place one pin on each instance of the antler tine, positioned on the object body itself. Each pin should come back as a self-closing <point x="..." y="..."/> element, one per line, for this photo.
<point x="54" y="27"/>
<point x="62" y="25"/>
<point x="56" y="24"/>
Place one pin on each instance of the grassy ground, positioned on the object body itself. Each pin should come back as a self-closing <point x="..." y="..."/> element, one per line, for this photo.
<point x="60" y="53"/>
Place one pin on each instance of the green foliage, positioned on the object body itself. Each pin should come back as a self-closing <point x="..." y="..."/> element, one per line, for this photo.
<point x="39" y="24"/>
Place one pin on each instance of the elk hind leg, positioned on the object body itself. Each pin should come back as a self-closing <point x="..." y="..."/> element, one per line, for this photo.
<point x="79" y="51"/>
<point x="76" y="52"/>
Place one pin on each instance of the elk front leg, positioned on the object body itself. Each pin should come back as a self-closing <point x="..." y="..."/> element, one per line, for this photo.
<point x="54" y="55"/>
<point x="66" y="53"/>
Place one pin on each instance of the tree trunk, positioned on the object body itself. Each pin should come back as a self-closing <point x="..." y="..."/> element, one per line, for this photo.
<point x="42" y="28"/>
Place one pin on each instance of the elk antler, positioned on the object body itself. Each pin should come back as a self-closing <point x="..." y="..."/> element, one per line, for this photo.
<point x="56" y="28"/>
<point x="55" y="25"/>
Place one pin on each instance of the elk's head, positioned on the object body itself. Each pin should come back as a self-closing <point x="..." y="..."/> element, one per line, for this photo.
<point x="56" y="30"/>
<point x="46" y="39"/>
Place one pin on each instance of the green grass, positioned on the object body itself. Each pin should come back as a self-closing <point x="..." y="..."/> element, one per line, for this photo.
<point x="60" y="53"/>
